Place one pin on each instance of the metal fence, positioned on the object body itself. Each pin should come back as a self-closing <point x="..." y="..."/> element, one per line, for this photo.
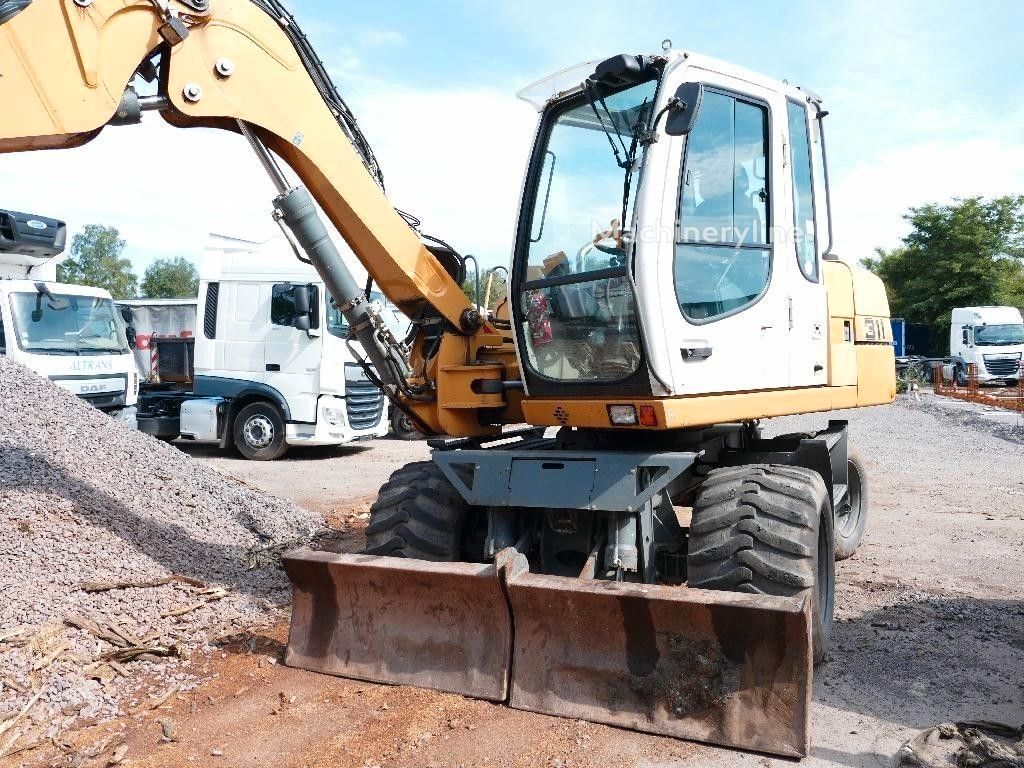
<point x="1011" y="398"/>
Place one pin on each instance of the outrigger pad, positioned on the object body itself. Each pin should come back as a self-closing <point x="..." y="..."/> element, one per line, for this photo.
<point x="719" y="667"/>
<point x="444" y="626"/>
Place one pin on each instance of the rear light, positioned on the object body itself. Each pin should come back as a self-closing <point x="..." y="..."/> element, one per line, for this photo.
<point x="648" y="416"/>
<point x="622" y="415"/>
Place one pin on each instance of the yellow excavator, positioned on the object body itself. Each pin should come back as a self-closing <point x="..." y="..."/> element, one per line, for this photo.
<point x="602" y="532"/>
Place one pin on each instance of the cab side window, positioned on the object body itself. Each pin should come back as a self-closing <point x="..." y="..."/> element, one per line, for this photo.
<point x="804" y="235"/>
<point x="723" y="256"/>
<point x="3" y="338"/>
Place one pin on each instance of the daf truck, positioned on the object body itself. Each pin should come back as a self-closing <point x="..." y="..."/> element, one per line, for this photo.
<point x="992" y="338"/>
<point x="71" y="334"/>
<point x="271" y="365"/>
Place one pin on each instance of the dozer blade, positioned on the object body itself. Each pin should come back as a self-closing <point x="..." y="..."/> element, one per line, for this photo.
<point x="444" y="626"/>
<point x="719" y="667"/>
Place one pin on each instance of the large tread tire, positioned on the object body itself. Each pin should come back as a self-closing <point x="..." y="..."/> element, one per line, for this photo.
<point x="766" y="529"/>
<point x="418" y="514"/>
<point x="851" y="521"/>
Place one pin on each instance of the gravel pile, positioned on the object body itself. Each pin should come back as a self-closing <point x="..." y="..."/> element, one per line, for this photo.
<point x="88" y="503"/>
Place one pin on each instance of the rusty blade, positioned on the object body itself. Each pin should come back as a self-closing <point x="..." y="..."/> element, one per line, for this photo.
<point x="718" y="667"/>
<point x="444" y="626"/>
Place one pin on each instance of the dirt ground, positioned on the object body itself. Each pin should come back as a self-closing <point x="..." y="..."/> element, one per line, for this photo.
<point x="930" y="628"/>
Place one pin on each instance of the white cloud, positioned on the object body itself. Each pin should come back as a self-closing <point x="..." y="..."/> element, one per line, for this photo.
<point x="455" y="158"/>
<point x="871" y="197"/>
<point x="164" y="188"/>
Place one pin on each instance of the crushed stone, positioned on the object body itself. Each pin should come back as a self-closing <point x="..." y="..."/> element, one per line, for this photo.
<point x="85" y="499"/>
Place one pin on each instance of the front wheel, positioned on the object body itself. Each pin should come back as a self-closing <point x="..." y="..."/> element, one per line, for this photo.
<point x="420" y="515"/>
<point x="852" y="512"/>
<point x="766" y="529"/>
<point x="259" y="432"/>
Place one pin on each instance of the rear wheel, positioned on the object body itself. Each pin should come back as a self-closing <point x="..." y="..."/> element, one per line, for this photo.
<point x="961" y="376"/>
<point x="404" y="427"/>
<point x="767" y="530"/>
<point x="852" y="512"/>
<point x="419" y="514"/>
<point x="259" y="432"/>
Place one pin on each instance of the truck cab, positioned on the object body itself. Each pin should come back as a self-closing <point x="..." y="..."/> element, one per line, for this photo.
<point x="272" y="367"/>
<point x="992" y="339"/>
<point x="71" y="334"/>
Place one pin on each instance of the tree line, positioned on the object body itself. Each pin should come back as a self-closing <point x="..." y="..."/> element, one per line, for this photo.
<point x="96" y="259"/>
<point x="969" y="252"/>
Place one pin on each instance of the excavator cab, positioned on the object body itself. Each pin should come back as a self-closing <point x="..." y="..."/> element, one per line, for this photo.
<point x="603" y="531"/>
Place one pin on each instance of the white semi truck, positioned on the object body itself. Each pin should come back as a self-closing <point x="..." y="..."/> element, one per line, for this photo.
<point x="992" y="338"/>
<point x="71" y="334"/>
<point x="270" y="366"/>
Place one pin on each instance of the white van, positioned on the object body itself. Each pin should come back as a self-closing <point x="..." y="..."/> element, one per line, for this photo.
<point x="992" y="338"/>
<point x="71" y="334"/>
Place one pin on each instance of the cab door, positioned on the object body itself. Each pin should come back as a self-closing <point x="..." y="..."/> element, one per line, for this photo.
<point x="802" y="249"/>
<point x="725" y="300"/>
<point x="293" y="356"/>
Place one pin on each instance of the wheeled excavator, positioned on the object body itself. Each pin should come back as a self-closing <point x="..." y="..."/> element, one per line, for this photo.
<point x="603" y="531"/>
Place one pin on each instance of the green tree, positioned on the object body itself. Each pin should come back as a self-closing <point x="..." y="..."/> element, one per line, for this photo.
<point x="969" y="252"/>
<point x="175" y="278"/>
<point x="96" y="260"/>
<point x="498" y="289"/>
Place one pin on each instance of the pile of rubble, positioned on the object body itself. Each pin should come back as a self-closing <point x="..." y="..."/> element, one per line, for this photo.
<point x="119" y="556"/>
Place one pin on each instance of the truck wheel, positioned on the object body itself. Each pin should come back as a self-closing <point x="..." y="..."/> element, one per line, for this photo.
<point x="852" y="513"/>
<point x="961" y="376"/>
<point x="767" y="530"/>
<point x="259" y="432"/>
<point x="418" y="514"/>
<point x="404" y="427"/>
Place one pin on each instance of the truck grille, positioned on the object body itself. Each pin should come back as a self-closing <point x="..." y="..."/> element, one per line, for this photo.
<point x="364" y="404"/>
<point x="1009" y="366"/>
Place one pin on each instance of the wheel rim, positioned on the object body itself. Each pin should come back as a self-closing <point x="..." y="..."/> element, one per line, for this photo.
<point x="405" y="423"/>
<point x="258" y="432"/>
<point x="852" y="507"/>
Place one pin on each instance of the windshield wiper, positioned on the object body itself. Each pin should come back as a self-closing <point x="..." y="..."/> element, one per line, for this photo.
<point x="592" y="99"/>
<point x="53" y="350"/>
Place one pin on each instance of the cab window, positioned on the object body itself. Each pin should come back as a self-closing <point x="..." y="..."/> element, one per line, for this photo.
<point x="723" y="256"/>
<point x="804" y="236"/>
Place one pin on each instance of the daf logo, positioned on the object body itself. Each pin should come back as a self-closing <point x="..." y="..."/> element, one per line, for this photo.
<point x="36" y="224"/>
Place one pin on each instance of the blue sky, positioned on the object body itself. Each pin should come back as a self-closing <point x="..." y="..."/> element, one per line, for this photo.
<point x="926" y="102"/>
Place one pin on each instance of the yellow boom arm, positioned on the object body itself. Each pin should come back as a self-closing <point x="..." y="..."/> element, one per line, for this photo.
<point x="65" y="64"/>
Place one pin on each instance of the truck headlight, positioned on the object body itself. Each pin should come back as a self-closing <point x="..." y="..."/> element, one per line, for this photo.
<point x="334" y="416"/>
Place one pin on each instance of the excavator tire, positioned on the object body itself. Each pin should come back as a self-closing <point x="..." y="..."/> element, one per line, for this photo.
<point x="852" y="513"/>
<point x="766" y="529"/>
<point x="418" y="514"/>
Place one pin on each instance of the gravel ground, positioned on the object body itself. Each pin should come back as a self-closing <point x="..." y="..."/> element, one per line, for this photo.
<point x="929" y="628"/>
<point x="87" y="500"/>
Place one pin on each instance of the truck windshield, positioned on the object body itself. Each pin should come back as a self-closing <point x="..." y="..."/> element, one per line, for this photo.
<point x="577" y="307"/>
<point x="998" y="335"/>
<point x="65" y="324"/>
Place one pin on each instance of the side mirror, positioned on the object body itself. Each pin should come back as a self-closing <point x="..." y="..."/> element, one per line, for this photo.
<point x="300" y="295"/>
<point x="301" y="322"/>
<point x="126" y="314"/>
<point x="129" y="334"/>
<point x="684" y="108"/>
